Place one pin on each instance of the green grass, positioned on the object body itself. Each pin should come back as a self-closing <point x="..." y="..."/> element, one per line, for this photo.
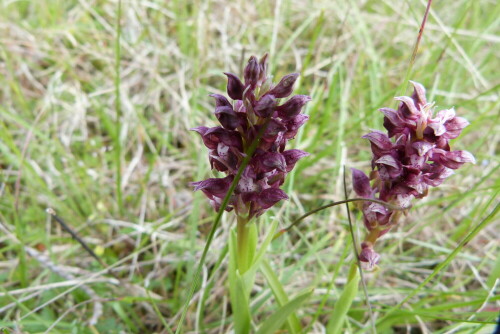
<point x="61" y="148"/>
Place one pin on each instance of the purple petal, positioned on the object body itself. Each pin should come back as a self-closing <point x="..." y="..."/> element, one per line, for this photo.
<point x="265" y="106"/>
<point x="368" y="255"/>
<point x="235" y="87"/>
<point x="436" y="178"/>
<point x="214" y="187"/>
<point x="227" y="117"/>
<point x="453" y="160"/>
<point x="292" y="107"/>
<point x="220" y="100"/>
<point x="217" y="135"/>
<point x="263" y="68"/>
<point x="273" y="129"/>
<point x="404" y="200"/>
<point x="294" y="124"/>
<point x="252" y="72"/>
<point x="200" y="129"/>
<point x="422" y="147"/>
<point x="454" y="127"/>
<point x="392" y="122"/>
<point x="388" y="160"/>
<point x="389" y="168"/>
<point x="247" y="185"/>
<point x="285" y="87"/>
<point x="380" y="142"/>
<point x="292" y="156"/>
<point x="407" y="107"/>
<point x="268" y="197"/>
<point x="361" y="183"/>
<point x="438" y="128"/>
<point x="418" y="94"/>
<point x="269" y="161"/>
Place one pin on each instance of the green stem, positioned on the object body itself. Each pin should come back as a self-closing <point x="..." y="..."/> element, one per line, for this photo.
<point x="243" y="245"/>
<point x="118" y="149"/>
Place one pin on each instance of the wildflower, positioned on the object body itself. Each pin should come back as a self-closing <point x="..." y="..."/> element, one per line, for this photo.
<point x="418" y="157"/>
<point x="256" y="103"/>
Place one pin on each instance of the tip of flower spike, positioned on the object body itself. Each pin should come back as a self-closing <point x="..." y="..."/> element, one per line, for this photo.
<point x="252" y="71"/>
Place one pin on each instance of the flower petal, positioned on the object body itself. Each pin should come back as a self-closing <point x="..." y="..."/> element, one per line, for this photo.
<point x="214" y="187"/>
<point x="361" y="183"/>
<point x="454" y="127"/>
<point x="266" y="106"/>
<point x="407" y="107"/>
<point x="294" y="124"/>
<point x="269" y="197"/>
<point x="235" y="87"/>
<point x="285" y="87"/>
<point x="418" y="94"/>
<point x="292" y="156"/>
<point x="269" y="161"/>
<point x="252" y="71"/>
<point x="454" y="159"/>
<point x="220" y="100"/>
<point x="292" y="107"/>
<point x="422" y="147"/>
<point x="227" y="117"/>
<point x="380" y="143"/>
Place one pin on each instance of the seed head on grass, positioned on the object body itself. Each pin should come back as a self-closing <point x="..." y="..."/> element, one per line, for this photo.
<point x="256" y="104"/>
<point x="418" y="157"/>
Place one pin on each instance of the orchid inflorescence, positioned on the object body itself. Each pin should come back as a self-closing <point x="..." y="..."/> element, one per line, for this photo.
<point x="403" y="169"/>
<point x="255" y="111"/>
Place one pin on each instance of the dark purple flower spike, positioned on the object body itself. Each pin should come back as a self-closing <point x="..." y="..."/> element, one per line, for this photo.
<point x="417" y="157"/>
<point x="255" y="102"/>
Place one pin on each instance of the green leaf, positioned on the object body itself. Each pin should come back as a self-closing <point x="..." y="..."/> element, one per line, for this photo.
<point x="343" y="305"/>
<point x="275" y="321"/>
<point x="280" y="295"/>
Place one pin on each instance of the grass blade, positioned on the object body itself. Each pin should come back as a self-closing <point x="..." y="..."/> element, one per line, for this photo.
<point x="280" y="295"/>
<point x="275" y="321"/>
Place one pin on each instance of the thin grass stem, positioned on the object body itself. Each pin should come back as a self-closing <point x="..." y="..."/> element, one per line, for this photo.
<point x="118" y="149"/>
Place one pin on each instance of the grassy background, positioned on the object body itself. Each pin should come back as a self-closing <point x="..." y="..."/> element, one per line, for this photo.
<point x="59" y="144"/>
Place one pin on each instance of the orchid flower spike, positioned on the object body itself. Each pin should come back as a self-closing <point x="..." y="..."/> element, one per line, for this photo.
<point x="255" y="102"/>
<point x="414" y="155"/>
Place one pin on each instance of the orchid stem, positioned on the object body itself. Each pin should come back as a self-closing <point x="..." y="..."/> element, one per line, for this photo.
<point x="242" y="245"/>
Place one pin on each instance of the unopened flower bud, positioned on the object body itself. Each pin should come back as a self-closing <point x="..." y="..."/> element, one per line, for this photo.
<point x="252" y="72"/>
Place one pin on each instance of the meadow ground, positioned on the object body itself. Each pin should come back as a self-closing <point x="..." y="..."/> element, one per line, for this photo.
<point x="60" y="148"/>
